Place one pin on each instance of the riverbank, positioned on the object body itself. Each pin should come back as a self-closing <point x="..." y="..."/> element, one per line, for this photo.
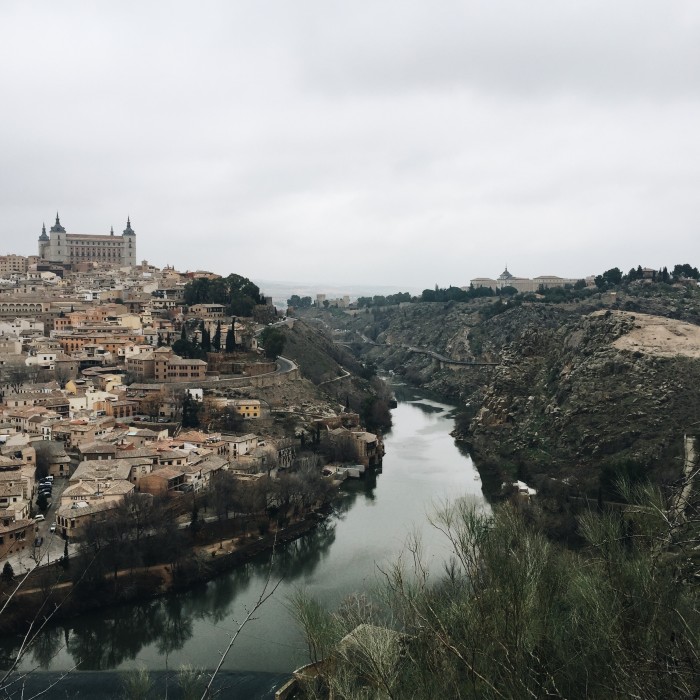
<point x="343" y="555"/>
<point x="162" y="684"/>
<point x="52" y="593"/>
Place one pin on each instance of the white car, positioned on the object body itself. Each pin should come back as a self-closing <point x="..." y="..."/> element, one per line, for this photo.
<point x="53" y="527"/>
<point x="39" y="518"/>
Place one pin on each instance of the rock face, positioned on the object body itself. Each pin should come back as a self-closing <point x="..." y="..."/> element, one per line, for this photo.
<point x="579" y="394"/>
<point x="568" y="402"/>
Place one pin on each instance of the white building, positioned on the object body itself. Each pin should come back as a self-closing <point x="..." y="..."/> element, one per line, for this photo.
<point x="522" y="284"/>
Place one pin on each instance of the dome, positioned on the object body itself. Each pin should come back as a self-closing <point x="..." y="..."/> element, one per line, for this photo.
<point x="505" y="275"/>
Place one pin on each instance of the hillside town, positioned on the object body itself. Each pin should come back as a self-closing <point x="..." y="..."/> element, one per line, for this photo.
<point x="116" y="387"/>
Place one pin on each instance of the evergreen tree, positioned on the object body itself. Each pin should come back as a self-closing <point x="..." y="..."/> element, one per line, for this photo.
<point x="183" y="333"/>
<point x="8" y="573"/>
<point x="231" y="337"/>
<point x="206" y="341"/>
<point x="216" y="341"/>
<point x="190" y="412"/>
<point x="42" y="502"/>
<point x="194" y="522"/>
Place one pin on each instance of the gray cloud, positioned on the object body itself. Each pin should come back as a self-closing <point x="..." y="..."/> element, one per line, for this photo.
<point x="386" y="142"/>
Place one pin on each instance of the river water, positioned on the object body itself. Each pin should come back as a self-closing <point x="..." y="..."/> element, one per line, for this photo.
<point x="422" y="467"/>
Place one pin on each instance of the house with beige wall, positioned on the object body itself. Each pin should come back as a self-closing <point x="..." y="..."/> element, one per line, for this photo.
<point x="522" y="284"/>
<point x="72" y="519"/>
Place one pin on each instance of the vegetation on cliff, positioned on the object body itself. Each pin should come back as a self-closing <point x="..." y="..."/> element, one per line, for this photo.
<point x="571" y="403"/>
<point x="517" y="616"/>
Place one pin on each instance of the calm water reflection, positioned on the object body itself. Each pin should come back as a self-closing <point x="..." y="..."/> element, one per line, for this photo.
<point x="374" y="517"/>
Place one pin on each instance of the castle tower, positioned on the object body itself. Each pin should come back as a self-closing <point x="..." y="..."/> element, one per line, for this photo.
<point x="43" y="241"/>
<point x="57" y="228"/>
<point x="129" y="256"/>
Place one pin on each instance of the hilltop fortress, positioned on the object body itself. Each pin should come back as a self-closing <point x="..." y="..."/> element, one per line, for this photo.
<point x="59" y="246"/>
<point x="524" y="284"/>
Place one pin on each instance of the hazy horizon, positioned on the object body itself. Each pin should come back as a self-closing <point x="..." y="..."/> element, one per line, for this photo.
<point x="402" y="143"/>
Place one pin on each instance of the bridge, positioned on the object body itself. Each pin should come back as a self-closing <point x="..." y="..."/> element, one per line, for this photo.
<point x="443" y="360"/>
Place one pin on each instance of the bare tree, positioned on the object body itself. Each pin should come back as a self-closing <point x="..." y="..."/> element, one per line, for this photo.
<point x="62" y="374"/>
<point x="268" y="590"/>
<point x="16" y="377"/>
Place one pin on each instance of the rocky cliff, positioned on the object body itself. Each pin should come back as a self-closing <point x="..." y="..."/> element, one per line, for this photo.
<point x="580" y="393"/>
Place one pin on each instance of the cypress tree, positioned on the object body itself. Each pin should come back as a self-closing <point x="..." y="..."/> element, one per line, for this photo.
<point x="8" y="573"/>
<point x="231" y="337"/>
<point x="206" y="341"/>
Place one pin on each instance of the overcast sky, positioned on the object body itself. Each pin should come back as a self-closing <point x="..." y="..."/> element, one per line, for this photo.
<point x="401" y="143"/>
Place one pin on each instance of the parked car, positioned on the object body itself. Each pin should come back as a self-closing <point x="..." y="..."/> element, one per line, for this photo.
<point x="39" y="518"/>
<point x="53" y="527"/>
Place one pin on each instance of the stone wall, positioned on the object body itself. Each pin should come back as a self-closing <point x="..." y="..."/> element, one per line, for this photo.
<point x="262" y="380"/>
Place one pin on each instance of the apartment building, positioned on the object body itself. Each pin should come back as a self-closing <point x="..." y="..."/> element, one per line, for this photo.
<point x="163" y="365"/>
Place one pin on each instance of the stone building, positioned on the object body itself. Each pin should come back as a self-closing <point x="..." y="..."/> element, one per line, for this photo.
<point x="73" y="248"/>
<point x="522" y="284"/>
<point x="163" y="365"/>
<point x="13" y="265"/>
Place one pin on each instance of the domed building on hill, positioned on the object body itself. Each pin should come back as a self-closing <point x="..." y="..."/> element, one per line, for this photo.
<point x="522" y="284"/>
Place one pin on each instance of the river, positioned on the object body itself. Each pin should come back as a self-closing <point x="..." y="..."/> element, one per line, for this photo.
<point x="422" y="467"/>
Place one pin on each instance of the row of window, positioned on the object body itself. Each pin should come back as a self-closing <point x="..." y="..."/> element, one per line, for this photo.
<point x="14" y="536"/>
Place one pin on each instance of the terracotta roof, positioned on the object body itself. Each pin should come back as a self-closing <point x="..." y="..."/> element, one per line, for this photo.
<point x="193" y="436"/>
<point x="70" y="511"/>
<point x="175" y="360"/>
<point x="97" y="447"/>
<point x="149" y="452"/>
<point x="168" y="472"/>
<point x="101" y="469"/>
<point x="11" y="489"/>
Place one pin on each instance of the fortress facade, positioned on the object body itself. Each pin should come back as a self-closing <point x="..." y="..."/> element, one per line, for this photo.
<point x="73" y="248"/>
<point x="522" y="284"/>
